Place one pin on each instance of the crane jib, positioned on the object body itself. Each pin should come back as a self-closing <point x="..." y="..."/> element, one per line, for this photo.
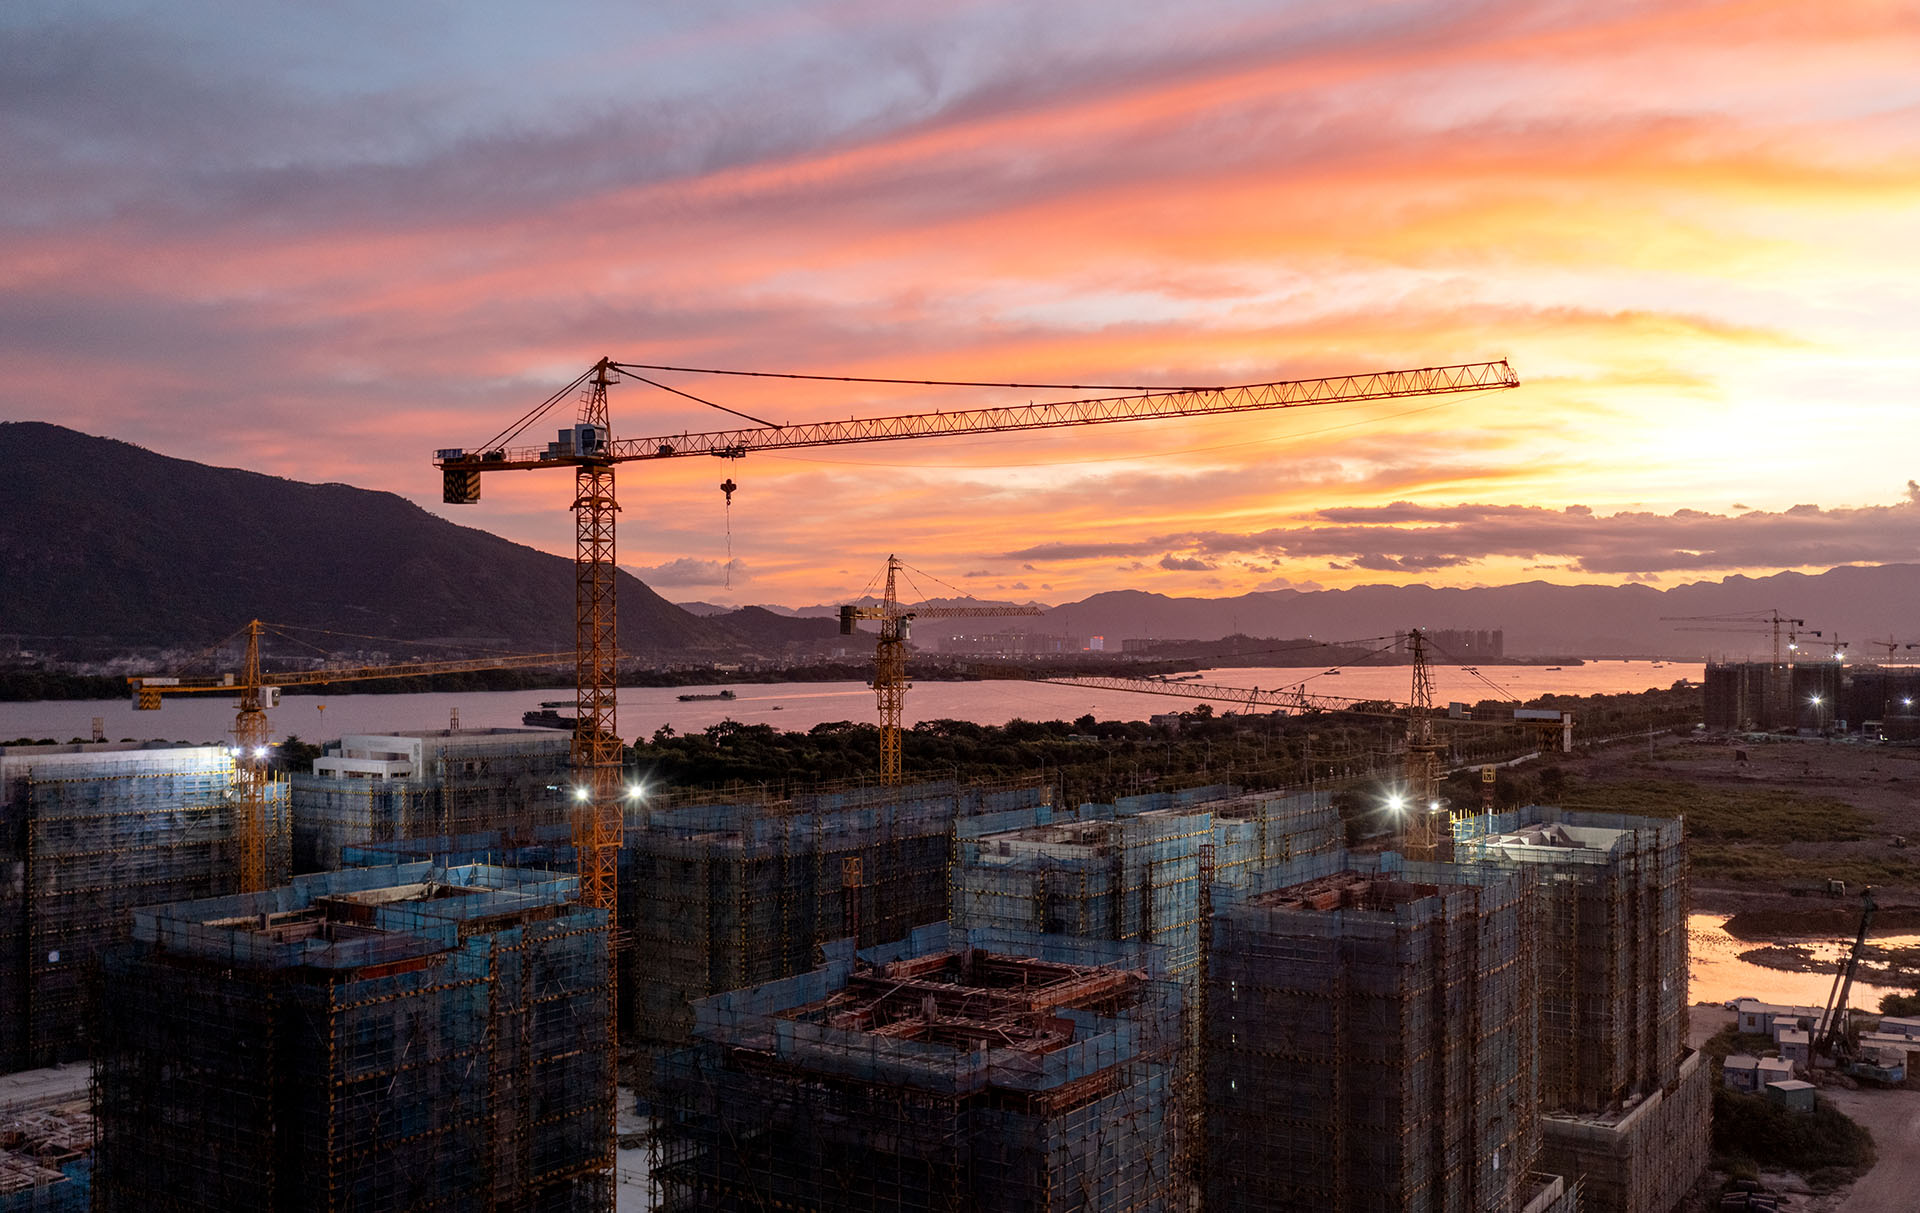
<point x="1198" y="402"/>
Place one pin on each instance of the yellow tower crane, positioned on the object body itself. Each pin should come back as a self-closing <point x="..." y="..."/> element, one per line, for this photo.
<point x="259" y="691"/>
<point x="590" y="451"/>
<point x="890" y="655"/>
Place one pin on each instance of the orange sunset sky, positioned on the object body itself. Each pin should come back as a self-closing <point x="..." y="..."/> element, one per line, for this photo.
<point x="321" y="241"/>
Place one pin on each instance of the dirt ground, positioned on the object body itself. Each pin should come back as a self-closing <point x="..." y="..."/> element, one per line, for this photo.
<point x="1881" y="782"/>
<point x="1893" y="1117"/>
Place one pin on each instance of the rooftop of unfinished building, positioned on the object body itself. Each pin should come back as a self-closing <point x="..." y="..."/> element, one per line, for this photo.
<point x="83" y="748"/>
<point x="1557" y="835"/>
<point x="1351" y="890"/>
<point x="1084" y="832"/>
<point x="356" y="917"/>
<point x="971" y="999"/>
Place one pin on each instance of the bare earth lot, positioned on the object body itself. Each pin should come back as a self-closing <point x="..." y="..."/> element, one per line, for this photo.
<point x="1767" y="831"/>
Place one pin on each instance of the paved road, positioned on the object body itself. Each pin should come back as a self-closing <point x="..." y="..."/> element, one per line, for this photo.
<point x="1893" y="1117"/>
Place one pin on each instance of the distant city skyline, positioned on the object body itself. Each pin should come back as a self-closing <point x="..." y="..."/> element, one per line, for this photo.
<point x="323" y="243"/>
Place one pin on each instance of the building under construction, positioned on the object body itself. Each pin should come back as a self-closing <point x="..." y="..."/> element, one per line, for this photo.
<point x="955" y="1071"/>
<point x="1627" y="1104"/>
<point x="1136" y="871"/>
<point x="1757" y="696"/>
<point x="381" y="787"/>
<point x="1371" y="1043"/>
<point x="374" y="1040"/>
<point x="717" y="897"/>
<point x="87" y="832"/>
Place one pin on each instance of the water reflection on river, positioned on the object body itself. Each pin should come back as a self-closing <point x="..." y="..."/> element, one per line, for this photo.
<point x="802" y="705"/>
<point x="1717" y="974"/>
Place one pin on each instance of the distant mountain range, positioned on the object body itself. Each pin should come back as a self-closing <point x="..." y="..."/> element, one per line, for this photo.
<point x="105" y="545"/>
<point x="1857" y="604"/>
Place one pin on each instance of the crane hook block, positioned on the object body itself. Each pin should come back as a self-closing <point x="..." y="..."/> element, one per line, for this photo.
<point x="727" y="486"/>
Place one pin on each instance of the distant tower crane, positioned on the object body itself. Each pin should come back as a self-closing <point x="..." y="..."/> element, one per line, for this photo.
<point x="1779" y="685"/>
<point x="251" y="733"/>
<point x="589" y="449"/>
<point x="1422" y="814"/>
<point x="890" y="655"/>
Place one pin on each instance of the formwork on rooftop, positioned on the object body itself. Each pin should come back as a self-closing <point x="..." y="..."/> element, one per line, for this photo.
<point x="471" y="781"/>
<point x="1371" y="1043"/>
<point x="46" y="1158"/>
<point x="87" y="833"/>
<point x="1613" y="946"/>
<point x="716" y="897"/>
<point x="955" y="1071"/>
<point x="374" y="1040"/>
<point x="1139" y="871"/>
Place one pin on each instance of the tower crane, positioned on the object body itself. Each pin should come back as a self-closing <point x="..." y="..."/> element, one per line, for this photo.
<point x="1421" y="823"/>
<point x="890" y="655"/>
<point x="1779" y="686"/>
<point x="590" y="450"/>
<point x="259" y="691"/>
<point x="1892" y="646"/>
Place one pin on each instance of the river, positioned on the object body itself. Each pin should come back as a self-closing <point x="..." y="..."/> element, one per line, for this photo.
<point x="802" y="705"/>
<point x="1717" y="974"/>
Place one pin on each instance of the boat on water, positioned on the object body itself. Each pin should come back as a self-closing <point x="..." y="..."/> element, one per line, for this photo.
<point x="556" y="703"/>
<point x="1330" y="672"/>
<point x="1552" y="668"/>
<point x="547" y="718"/>
<point x="715" y="695"/>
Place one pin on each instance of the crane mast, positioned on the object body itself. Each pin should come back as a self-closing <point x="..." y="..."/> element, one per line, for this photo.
<point x="598" y="821"/>
<point x="890" y="656"/>
<point x="1424" y="813"/>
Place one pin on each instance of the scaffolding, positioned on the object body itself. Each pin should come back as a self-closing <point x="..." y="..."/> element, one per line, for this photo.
<point x="1613" y="893"/>
<point x="91" y="832"/>
<point x="716" y="897"/>
<point x="467" y="782"/>
<point x="958" y="1070"/>
<point x="1141" y="871"/>
<point x="379" y="1039"/>
<point x="1371" y="1043"/>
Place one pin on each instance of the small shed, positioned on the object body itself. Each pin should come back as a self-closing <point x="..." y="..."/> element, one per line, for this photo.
<point x="1895" y="1025"/>
<point x="1792" y="1094"/>
<point x="1740" y="1073"/>
<point x="1794" y="1046"/>
<point x="1770" y="1070"/>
